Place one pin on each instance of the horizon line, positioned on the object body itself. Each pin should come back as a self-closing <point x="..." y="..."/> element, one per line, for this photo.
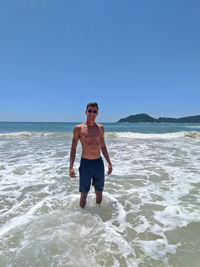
<point x="53" y="121"/>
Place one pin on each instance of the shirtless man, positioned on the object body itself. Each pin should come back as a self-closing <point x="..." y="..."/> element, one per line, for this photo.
<point x="91" y="136"/>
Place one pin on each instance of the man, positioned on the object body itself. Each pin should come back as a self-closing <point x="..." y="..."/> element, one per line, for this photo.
<point x="91" y="136"/>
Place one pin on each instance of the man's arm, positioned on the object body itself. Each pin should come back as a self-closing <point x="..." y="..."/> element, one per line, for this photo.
<point x="104" y="150"/>
<point x="76" y="134"/>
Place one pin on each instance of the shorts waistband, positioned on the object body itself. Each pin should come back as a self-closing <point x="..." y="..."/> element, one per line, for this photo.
<point x="91" y="160"/>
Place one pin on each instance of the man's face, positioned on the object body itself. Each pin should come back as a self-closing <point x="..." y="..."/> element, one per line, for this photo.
<point x="91" y="112"/>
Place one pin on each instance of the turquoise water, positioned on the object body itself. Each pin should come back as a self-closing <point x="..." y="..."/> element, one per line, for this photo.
<point x="9" y="127"/>
<point x="150" y="213"/>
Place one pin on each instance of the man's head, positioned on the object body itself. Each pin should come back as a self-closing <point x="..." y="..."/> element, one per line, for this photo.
<point x="92" y="104"/>
<point x="92" y="110"/>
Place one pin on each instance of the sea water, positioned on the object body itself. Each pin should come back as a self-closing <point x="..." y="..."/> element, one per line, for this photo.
<point x="150" y="213"/>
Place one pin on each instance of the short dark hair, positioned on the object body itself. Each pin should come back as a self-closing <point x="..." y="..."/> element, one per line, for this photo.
<point x="92" y="104"/>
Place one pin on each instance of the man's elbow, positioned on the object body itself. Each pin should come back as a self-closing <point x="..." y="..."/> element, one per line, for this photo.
<point x="73" y="149"/>
<point x="103" y="147"/>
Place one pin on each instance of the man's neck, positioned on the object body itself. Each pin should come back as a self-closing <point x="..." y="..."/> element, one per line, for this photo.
<point x="90" y="123"/>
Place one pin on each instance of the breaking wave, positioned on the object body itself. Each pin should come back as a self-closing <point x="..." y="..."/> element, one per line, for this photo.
<point x="182" y="134"/>
<point x="129" y="135"/>
<point x="193" y="127"/>
<point x="32" y="134"/>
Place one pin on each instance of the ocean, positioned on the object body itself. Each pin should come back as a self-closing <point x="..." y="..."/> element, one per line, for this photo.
<point x="150" y="213"/>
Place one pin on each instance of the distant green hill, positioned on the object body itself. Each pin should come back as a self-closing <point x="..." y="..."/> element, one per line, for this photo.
<point x="192" y="119"/>
<point x="138" y="118"/>
<point x="143" y="117"/>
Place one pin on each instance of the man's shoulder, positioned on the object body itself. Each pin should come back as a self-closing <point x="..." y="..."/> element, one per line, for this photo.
<point x="78" y="126"/>
<point x="77" y="129"/>
<point x="100" y="125"/>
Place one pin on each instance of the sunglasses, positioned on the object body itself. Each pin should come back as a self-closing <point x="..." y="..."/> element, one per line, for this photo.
<point x="92" y="111"/>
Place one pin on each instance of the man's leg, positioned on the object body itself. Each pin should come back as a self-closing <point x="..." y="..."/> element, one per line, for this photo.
<point x="98" y="180"/>
<point x="98" y="196"/>
<point x="83" y="199"/>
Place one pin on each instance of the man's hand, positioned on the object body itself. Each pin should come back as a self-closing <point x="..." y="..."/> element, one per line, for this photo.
<point x="72" y="173"/>
<point x="109" y="169"/>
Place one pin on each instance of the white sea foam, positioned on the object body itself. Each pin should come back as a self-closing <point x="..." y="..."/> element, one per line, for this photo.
<point x="154" y="189"/>
<point x="193" y="127"/>
<point x="34" y="134"/>
<point x="132" y="135"/>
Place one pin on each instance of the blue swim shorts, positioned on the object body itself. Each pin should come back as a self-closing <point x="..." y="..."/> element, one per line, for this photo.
<point x="91" y="170"/>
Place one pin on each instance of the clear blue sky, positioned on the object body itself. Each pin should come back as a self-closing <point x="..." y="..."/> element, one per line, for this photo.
<point x="130" y="56"/>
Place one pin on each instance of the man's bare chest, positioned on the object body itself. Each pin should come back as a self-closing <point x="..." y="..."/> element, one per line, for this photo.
<point x="90" y="132"/>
